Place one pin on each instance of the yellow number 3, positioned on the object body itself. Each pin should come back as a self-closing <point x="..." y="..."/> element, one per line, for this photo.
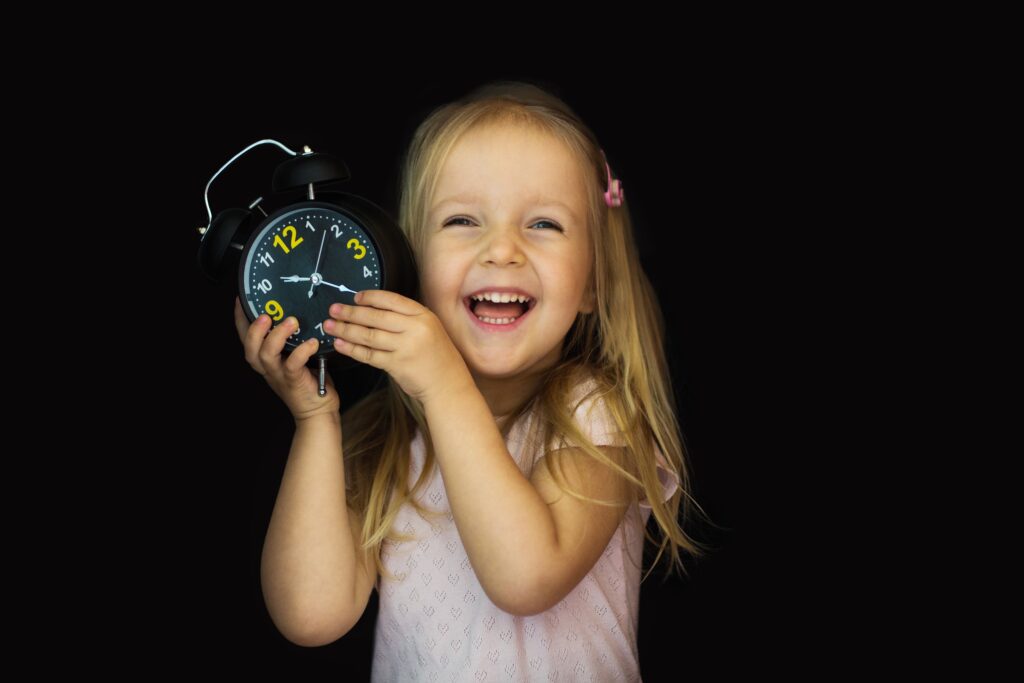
<point x="360" y="249"/>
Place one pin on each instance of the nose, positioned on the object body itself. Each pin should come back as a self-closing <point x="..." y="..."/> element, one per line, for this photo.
<point x="501" y="246"/>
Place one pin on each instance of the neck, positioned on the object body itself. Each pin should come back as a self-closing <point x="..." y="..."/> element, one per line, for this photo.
<point x="503" y="395"/>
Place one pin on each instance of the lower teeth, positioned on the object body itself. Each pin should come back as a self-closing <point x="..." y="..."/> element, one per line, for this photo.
<point x="498" y="321"/>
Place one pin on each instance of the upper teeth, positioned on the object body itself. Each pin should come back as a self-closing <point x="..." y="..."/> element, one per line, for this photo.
<point x="503" y="298"/>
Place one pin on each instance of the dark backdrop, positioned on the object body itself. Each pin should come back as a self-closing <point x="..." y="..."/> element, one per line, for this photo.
<point x="713" y="166"/>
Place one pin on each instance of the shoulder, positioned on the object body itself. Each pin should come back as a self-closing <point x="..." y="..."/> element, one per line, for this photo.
<point x="591" y="403"/>
<point x="591" y="406"/>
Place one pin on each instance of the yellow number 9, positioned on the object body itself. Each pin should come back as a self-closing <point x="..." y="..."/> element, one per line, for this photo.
<point x="360" y="249"/>
<point x="274" y="310"/>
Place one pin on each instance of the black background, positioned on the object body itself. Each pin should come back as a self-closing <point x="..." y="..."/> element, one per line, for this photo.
<point x="721" y="171"/>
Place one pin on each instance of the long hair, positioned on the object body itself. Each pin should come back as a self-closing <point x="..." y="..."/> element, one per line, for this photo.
<point x="619" y="344"/>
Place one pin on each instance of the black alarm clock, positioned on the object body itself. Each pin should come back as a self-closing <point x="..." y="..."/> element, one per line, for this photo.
<point x="309" y="251"/>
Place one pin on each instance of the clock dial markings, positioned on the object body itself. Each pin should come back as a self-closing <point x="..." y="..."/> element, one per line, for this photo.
<point x="348" y="268"/>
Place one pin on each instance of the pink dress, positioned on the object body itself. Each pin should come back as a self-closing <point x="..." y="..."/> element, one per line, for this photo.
<point x="436" y="623"/>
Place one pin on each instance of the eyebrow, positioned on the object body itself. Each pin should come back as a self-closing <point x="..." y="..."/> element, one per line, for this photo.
<point x="471" y="199"/>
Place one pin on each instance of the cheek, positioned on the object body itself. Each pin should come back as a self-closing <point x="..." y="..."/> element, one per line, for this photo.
<point x="573" y="277"/>
<point x="439" y="279"/>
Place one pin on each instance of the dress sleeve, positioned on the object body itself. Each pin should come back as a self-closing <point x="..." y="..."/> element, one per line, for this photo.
<point x="669" y="478"/>
<point x="595" y="420"/>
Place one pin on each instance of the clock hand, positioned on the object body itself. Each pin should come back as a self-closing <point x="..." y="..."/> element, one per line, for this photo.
<point x="293" y="278"/>
<point x="341" y="288"/>
<point x="316" y="268"/>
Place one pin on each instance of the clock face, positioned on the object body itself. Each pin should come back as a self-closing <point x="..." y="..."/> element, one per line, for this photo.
<point x="304" y="258"/>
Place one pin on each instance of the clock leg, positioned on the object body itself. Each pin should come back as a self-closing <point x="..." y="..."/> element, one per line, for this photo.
<point x="323" y="372"/>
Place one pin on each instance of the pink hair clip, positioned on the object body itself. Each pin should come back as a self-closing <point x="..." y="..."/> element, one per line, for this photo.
<point x="615" y="194"/>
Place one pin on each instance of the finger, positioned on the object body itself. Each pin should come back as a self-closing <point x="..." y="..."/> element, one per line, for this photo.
<point x="372" y="337"/>
<point x="380" y="318"/>
<point x="270" y="352"/>
<point x="363" y="354"/>
<point x="392" y="301"/>
<point x="254" y="337"/>
<point x="295" y="366"/>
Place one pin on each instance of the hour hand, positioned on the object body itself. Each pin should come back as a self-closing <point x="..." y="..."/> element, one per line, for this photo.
<point x="294" y="278"/>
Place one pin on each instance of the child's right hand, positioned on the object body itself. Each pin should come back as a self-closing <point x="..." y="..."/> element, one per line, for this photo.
<point x="290" y="379"/>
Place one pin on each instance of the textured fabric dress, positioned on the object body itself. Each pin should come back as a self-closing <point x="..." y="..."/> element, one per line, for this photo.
<point x="436" y="623"/>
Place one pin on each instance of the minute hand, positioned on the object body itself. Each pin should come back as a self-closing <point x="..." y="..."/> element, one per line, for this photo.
<point x="316" y="268"/>
<point x="341" y="288"/>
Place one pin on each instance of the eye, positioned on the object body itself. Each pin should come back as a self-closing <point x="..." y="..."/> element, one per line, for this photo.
<point x="453" y="221"/>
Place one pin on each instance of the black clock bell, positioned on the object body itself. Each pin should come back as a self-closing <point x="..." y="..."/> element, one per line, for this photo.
<point x="314" y="248"/>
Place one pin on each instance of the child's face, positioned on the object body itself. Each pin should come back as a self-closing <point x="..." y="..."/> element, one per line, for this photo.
<point x="494" y="236"/>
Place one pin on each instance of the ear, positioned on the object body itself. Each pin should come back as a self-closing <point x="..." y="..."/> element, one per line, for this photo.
<point x="589" y="301"/>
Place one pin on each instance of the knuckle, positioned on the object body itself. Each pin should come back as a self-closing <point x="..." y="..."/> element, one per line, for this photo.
<point x="265" y="354"/>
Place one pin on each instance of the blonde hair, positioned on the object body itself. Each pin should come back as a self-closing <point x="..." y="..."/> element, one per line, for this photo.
<point x="619" y="344"/>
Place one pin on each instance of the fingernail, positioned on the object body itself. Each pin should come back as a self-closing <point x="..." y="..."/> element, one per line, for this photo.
<point x="292" y="321"/>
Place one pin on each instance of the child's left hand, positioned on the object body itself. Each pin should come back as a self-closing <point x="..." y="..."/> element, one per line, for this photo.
<point x="402" y="337"/>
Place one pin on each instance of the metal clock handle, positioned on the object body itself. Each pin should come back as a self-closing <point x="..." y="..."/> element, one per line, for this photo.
<point x="323" y="377"/>
<point x="322" y="389"/>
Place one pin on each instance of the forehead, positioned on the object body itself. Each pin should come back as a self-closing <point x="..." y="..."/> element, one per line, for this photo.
<point x="510" y="163"/>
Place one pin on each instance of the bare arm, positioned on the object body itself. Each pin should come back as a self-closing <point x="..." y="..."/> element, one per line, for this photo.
<point x="309" y="573"/>
<point x="528" y="542"/>
<point x="504" y="523"/>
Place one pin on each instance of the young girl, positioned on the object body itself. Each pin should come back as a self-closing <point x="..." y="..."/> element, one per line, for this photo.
<point x="497" y="489"/>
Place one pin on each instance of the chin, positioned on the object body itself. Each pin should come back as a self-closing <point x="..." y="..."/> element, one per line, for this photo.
<point x="496" y="366"/>
<point x="494" y="371"/>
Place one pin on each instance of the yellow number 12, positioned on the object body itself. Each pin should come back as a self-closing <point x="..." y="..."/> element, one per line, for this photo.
<point x="278" y="242"/>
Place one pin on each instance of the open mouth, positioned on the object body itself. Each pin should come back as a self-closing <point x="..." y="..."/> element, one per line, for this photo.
<point x="494" y="315"/>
